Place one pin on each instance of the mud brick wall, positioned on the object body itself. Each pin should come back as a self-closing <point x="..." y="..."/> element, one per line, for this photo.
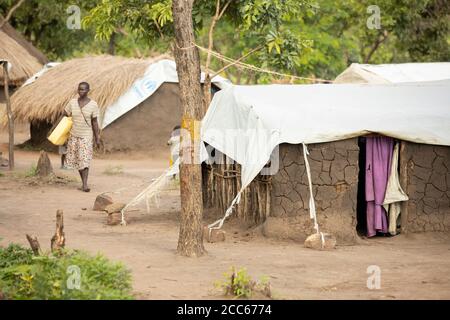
<point x="428" y="187"/>
<point x="334" y="173"/>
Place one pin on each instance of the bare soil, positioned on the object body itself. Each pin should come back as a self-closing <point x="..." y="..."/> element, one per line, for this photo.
<point x="414" y="266"/>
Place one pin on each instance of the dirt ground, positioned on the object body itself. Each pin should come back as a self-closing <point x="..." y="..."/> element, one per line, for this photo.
<point x="415" y="266"/>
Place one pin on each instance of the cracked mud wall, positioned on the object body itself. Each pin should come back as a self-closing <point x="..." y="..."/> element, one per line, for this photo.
<point x="334" y="173"/>
<point x="428" y="187"/>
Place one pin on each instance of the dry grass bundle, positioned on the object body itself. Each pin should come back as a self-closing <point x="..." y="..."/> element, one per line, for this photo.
<point x="24" y="64"/>
<point x="109" y="77"/>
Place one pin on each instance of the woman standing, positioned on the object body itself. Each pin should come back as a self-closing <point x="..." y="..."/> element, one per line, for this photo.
<point x="84" y="112"/>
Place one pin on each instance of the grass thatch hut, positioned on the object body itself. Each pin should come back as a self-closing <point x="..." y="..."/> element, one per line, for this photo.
<point x="26" y="59"/>
<point x="145" y="126"/>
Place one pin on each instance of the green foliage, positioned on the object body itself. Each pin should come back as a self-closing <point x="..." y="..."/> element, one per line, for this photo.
<point x="148" y="20"/>
<point x="32" y="172"/>
<point x="240" y="284"/>
<point x="13" y="255"/>
<point x="301" y="37"/>
<point x="255" y="21"/>
<point x="416" y="30"/>
<point x="47" y="277"/>
<point x="44" y="23"/>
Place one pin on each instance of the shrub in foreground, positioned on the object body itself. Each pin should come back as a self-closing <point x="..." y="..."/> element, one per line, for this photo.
<point x="69" y="274"/>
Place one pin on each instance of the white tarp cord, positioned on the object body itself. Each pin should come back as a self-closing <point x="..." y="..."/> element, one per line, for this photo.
<point x="395" y="73"/>
<point x="312" y="204"/>
<point x="394" y="193"/>
<point x="246" y="123"/>
<point x="152" y="191"/>
<point x="156" y="74"/>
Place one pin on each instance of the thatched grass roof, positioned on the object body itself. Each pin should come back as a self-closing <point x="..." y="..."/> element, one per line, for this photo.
<point x="109" y="77"/>
<point x="26" y="59"/>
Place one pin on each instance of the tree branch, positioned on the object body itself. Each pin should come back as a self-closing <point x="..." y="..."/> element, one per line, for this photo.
<point x="223" y="9"/>
<point x="10" y="13"/>
<point x="376" y="45"/>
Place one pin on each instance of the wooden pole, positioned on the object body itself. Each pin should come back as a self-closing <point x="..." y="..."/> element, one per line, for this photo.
<point x="58" y="240"/>
<point x="404" y="184"/>
<point x="10" y="115"/>
<point x="187" y="58"/>
<point x="34" y="244"/>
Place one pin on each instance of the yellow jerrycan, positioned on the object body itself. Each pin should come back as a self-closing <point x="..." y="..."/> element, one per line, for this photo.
<point x="61" y="133"/>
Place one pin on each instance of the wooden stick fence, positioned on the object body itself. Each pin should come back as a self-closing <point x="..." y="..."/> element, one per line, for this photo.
<point x="221" y="183"/>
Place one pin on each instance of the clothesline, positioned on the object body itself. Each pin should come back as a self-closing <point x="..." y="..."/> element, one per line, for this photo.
<point x="254" y="68"/>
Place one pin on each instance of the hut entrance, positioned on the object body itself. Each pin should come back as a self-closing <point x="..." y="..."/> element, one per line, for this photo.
<point x="379" y="192"/>
<point x="361" y="218"/>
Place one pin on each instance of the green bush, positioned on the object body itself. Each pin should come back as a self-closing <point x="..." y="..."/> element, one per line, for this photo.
<point x="32" y="172"/>
<point x="239" y="283"/>
<point x="54" y="276"/>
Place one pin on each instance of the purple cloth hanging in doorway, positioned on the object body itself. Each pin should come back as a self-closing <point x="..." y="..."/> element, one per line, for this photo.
<point x="378" y="164"/>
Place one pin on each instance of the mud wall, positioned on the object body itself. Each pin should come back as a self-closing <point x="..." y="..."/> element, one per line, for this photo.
<point x="428" y="187"/>
<point x="334" y="173"/>
<point x="148" y="126"/>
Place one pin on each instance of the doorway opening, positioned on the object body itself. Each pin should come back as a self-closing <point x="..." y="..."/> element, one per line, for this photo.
<point x="361" y="215"/>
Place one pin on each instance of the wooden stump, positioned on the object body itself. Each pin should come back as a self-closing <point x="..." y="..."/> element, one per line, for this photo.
<point x="34" y="244"/>
<point x="58" y="240"/>
<point x="44" y="166"/>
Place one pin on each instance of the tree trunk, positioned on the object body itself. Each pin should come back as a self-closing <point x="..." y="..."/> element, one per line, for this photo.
<point x="190" y="241"/>
<point x="10" y="116"/>
<point x="112" y="44"/>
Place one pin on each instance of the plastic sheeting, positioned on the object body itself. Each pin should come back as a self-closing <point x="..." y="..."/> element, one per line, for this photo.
<point x="247" y="122"/>
<point x="38" y="74"/>
<point x="395" y="73"/>
<point x="155" y="75"/>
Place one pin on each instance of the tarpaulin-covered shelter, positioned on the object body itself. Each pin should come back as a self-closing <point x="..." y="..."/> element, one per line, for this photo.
<point x="138" y="99"/>
<point x="395" y="73"/>
<point x="247" y="123"/>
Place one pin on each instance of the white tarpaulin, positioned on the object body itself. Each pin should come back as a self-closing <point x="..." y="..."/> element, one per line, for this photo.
<point x="247" y="122"/>
<point x="34" y="77"/>
<point x="395" y="73"/>
<point x="155" y="75"/>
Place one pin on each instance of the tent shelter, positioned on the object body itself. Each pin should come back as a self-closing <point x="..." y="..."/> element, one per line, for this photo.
<point x="395" y="73"/>
<point x="247" y="123"/>
<point x="138" y="98"/>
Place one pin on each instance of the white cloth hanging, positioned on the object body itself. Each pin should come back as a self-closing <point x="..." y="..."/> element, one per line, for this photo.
<point x="394" y="193"/>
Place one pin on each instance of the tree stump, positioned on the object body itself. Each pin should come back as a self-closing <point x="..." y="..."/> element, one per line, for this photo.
<point x="58" y="240"/>
<point x="44" y="166"/>
<point x="34" y="244"/>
